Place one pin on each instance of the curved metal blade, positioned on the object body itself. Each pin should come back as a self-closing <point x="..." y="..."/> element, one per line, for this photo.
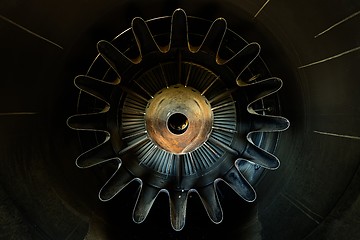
<point x="256" y="91"/>
<point x="146" y="198"/>
<point x="116" y="59"/>
<point x="133" y="138"/>
<point x="89" y="121"/>
<point x="179" y="30"/>
<point x="120" y="179"/>
<point x="242" y="59"/>
<point x="97" y="155"/>
<point x="210" y="200"/>
<point x="178" y="202"/>
<point x="259" y="156"/>
<point x="144" y="39"/>
<point x="100" y="89"/>
<point x="266" y="123"/>
<point x="214" y="36"/>
<point x="239" y="184"/>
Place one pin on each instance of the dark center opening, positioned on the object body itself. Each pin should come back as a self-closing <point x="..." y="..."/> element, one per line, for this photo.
<point x="178" y="123"/>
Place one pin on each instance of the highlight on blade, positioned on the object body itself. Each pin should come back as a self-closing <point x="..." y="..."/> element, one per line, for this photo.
<point x="121" y="124"/>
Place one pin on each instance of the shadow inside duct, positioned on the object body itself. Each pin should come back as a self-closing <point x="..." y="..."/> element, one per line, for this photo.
<point x="313" y="195"/>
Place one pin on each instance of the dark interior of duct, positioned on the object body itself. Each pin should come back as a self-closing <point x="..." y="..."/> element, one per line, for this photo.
<point x="179" y="119"/>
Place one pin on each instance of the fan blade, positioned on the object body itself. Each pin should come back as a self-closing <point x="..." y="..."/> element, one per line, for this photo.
<point x="97" y="155"/>
<point x="146" y="198"/>
<point x="261" y="157"/>
<point x="144" y="39"/>
<point x="95" y="87"/>
<point x="120" y="179"/>
<point x="178" y="202"/>
<point x="179" y="30"/>
<point x="242" y="59"/>
<point x="266" y="123"/>
<point x="239" y="184"/>
<point x="256" y="91"/>
<point x="214" y="36"/>
<point x="116" y="59"/>
<point x="210" y="200"/>
<point x="90" y="121"/>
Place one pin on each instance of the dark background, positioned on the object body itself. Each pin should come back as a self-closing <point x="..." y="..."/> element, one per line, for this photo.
<point x="313" y="195"/>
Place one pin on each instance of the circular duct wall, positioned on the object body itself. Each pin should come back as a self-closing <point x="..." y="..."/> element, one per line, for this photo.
<point x="312" y="46"/>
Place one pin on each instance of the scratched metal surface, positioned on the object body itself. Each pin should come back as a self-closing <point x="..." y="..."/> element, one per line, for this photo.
<point x="313" y="46"/>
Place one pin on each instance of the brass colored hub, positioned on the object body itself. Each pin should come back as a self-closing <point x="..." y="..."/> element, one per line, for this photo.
<point x="179" y="119"/>
<point x="168" y="136"/>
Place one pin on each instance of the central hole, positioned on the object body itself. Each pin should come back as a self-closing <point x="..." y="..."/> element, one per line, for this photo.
<point x="178" y="123"/>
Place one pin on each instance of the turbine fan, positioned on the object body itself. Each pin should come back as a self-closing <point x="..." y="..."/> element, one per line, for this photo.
<point x="178" y="112"/>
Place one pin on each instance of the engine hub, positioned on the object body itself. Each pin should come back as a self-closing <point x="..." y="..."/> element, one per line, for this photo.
<point x="178" y="111"/>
